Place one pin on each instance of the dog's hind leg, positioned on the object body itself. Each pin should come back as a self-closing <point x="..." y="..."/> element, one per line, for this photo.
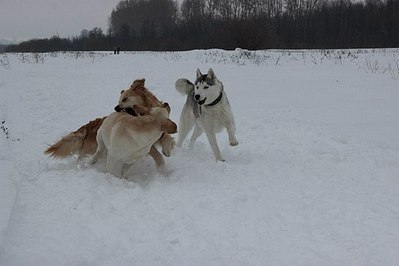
<point x="114" y="167"/>
<point x="100" y="150"/>
<point x="197" y="132"/>
<point x="187" y="121"/>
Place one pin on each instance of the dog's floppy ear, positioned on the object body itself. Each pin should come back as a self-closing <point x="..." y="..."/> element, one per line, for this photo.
<point x="211" y="74"/>
<point x="199" y="74"/>
<point x="166" y="106"/>
<point x="137" y="83"/>
<point x="169" y="126"/>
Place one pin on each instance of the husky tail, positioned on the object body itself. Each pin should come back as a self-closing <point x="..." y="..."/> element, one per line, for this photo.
<point x="82" y="141"/>
<point x="184" y="86"/>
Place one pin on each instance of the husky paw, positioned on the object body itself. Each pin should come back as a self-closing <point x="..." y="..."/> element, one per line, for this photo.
<point x="233" y="142"/>
<point x="220" y="159"/>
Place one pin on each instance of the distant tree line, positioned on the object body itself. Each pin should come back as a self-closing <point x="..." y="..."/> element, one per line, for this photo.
<point x="161" y="25"/>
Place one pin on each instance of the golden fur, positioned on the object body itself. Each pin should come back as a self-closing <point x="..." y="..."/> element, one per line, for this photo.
<point x="125" y="138"/>
<point x="83" y="141"/>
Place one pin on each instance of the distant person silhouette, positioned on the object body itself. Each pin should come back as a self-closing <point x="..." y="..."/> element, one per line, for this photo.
<point x="117" y="50"/>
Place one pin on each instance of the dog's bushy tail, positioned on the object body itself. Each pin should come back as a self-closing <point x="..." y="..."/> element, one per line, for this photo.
<point x="81" y="142"/>
<point x="67" y="146"/>
<point x="184" y="86"/>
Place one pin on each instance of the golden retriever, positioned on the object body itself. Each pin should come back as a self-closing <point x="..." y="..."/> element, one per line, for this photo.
<point x="125" y="137"/>
<point x="83" y="141"/>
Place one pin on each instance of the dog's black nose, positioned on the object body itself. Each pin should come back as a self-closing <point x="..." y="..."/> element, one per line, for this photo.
<point x="197" y="97"/>
<point x="118" y="108"/>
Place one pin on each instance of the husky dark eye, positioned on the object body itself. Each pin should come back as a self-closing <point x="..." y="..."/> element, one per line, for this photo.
<point x="124" y="99"/>
<point x="206" y="87"/>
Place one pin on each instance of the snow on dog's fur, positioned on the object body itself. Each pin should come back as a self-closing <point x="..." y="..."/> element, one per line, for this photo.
<point x="207" y="108"/>
<point x="126" y="138"/>
<point x="83" y="141"/>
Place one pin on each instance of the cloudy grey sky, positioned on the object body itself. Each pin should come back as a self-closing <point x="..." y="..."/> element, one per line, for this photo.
<point x="26" y="19"/>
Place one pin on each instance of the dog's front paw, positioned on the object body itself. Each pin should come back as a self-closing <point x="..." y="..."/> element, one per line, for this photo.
<point x="166" y="152"/>
<point x="233" y="142"/>
<point x="168" y="144"/>
<point x="167" y="148"/>
<point x="219" y="159"/>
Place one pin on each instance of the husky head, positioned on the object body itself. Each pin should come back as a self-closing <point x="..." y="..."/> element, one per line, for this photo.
<point x="207" y="88"/>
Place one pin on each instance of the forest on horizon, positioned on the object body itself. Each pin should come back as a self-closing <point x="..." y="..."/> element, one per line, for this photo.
<point x="166" y="25"/>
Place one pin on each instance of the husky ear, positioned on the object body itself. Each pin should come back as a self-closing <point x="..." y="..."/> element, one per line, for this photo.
<point x="199" y="74"/>
<point x="211" y="74"/>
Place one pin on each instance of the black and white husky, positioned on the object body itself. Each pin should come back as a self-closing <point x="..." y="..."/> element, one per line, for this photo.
<point x="208" y="108"/>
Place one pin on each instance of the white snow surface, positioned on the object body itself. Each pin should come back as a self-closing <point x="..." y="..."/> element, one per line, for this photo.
<point x="314" y="180"/>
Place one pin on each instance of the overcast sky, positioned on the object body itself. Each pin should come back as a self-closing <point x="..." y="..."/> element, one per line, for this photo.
<point x="27" y="19"/>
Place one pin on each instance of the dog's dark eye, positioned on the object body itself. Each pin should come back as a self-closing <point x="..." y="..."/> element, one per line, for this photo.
<point x="124" y="99"/>
<point x="206" y="87"/>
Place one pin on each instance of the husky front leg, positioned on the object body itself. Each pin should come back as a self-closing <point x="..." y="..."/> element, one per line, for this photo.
<point x="231" y="132"/>
<point x="214" y="145"/>
<point x="231" y="129"/>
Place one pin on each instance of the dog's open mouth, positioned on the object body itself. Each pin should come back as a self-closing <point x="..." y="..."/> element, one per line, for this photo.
<point x="201" y="102"/>
<point x="128" y="110"/>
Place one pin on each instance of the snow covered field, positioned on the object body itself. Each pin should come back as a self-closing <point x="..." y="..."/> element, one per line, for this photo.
<point x="314" y="180"/>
